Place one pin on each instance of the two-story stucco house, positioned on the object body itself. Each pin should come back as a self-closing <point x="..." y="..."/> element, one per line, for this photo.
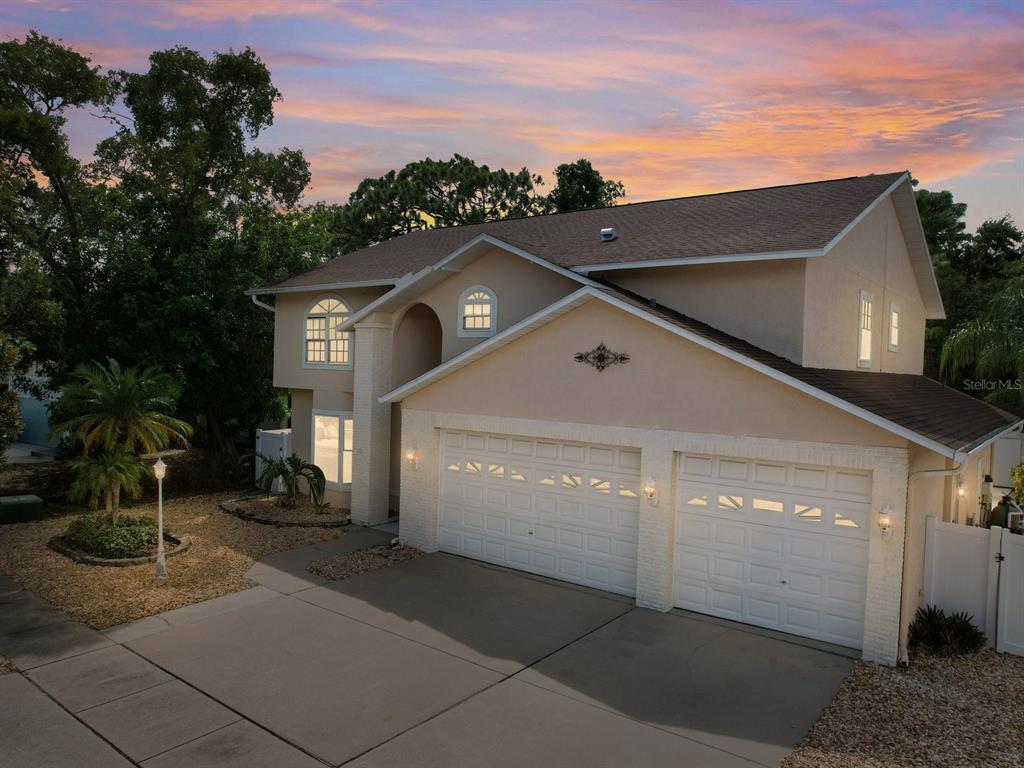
<point x="714" y="403"/>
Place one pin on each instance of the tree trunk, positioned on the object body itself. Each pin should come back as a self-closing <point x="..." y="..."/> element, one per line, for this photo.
<point x="117" y="500"/>
<point x="110" y="502"/>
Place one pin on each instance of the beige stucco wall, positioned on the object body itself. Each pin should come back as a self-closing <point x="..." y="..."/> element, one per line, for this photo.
<point x="669" y="383"/>
<point x="289" y="328"/>
<point x="759" y="301"/>
<point x="520" y="289"/>
<point x="872" y="257"/>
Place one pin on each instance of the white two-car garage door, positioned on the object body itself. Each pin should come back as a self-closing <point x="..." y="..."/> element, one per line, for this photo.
<point x="565" y="510"/>
<point x="782" y="546"/>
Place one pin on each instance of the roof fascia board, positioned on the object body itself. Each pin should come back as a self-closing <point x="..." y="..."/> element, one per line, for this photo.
<point x="917" y="232"/>
<point x="411" y="280"/>
<point x="588" y="292"/>
<point x="867" y="211"/>
<point x="991" y="437"/>
<point x="767" y="256"/>
<point x="321" y="287"/>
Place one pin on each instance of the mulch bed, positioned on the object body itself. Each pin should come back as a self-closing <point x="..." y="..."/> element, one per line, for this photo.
<point x="337" y="567"/>
<point x="270" y="511"/>
<point x="937" y="713"/>
<point x="223" y="549"/>
<point x="6" y="667"/>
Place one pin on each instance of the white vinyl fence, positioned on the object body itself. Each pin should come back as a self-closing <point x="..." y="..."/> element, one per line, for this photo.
<point x="274" y="444"/>
<point x="979" y="571"/>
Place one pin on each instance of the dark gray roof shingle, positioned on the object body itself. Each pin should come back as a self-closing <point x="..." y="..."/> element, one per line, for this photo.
<point x="768" y="220"/>
<point x="922" y="405"/>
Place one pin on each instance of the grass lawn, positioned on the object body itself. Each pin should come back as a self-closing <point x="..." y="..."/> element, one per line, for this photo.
<point x="937" y="713"/>
<point x="223" y="548"/>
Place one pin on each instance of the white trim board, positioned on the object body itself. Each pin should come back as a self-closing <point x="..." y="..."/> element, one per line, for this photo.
<point x="271" y="290"/>
<point x="409" y="285"/>
<point x="588" y="293"/>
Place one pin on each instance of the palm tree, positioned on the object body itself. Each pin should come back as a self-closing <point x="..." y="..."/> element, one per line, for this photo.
<point x="993" y="346"/>
<point x="107" y="474"/>
<point x="116" y="406"/>
<point x="292" y="470"/>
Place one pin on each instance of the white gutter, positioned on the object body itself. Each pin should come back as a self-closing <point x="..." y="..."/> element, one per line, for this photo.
<point x="271" y="290"/>
<point x="260" y="304"/>
<point x="683" y="261"/>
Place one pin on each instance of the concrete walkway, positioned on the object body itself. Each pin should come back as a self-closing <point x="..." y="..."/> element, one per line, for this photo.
<point x="438" y="661"/>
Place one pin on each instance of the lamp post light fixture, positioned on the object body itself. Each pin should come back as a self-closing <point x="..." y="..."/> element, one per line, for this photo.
<point x="160" y="471"/>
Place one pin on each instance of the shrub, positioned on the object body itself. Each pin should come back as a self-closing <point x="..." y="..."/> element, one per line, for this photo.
<point x="941" y="634"/>
<point x="97" y="535"/>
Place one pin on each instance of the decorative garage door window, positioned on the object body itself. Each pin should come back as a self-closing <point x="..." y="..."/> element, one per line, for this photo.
<point x="778" y="545"/>
<point x="565" y="510"/>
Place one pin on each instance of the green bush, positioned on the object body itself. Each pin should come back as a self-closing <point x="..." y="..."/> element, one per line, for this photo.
<point x="126" y="536"/>
<point x="935" y="632"/>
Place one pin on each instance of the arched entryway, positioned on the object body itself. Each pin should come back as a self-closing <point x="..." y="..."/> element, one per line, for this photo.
<point x="416" y="348"/>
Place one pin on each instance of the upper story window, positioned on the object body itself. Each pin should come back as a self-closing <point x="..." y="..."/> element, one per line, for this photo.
<point x="324" y="344"/>
<point x="866" y="322"/>
<point x="894" y="327"/>
<point x="477" y="312"/>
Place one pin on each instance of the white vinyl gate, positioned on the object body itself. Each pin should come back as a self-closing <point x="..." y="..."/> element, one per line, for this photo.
<point x="980" y="572"/>
<point x="565" y="510"/>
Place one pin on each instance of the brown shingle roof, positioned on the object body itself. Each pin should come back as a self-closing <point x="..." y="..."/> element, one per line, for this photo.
<point x="917" y="403"/>
<point x="769" y="220"/>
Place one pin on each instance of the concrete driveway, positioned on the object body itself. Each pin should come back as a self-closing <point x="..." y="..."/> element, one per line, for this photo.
<point x="438" y="661"/>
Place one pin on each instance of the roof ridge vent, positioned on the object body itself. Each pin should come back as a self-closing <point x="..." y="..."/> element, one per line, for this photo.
<point x="608" y="234"/>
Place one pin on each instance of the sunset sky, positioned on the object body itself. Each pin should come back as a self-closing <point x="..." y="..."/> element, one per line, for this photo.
<point x="671" y="98"/>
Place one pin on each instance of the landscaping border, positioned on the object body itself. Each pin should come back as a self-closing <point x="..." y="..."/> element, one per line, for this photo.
<point x="231" y="507"/>
<point x="57" y="545"/>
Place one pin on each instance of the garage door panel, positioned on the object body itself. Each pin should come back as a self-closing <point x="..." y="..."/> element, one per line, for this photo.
<point x="778" y="545"/>
<point x="568" y="510"/>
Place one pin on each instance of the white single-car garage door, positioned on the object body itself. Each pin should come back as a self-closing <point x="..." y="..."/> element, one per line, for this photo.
<point x="565" y="510"/>
<point x="778" y="545"/>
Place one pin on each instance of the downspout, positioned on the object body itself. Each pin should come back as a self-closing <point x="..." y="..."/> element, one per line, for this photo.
<point x="959" y="459"/>
<point x="262" y="305"/>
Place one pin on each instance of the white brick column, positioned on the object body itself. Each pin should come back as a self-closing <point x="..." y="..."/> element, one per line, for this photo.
<point x="419" y="488"/>
<point x="371" y="460"/>
<point x="885" y="562"/>
<point x="656" y="535"/>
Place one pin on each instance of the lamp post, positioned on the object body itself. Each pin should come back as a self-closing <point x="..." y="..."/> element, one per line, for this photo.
<point x="160" y="470"/>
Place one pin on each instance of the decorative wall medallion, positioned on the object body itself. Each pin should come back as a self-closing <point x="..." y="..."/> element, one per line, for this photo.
<point x="601" y="357"/>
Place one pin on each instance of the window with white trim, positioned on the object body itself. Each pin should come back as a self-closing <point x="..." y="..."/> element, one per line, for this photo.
<point x="323" y="344"/>
<point x="864" y="338"/>
<point x="894" y="327"/>
<point x="332" y="446"/>
<point x="477" y="312"/>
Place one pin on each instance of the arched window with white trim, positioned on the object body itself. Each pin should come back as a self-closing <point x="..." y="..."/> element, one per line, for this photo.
<point x="477" y="312"/>
<point x="323" y="344"/>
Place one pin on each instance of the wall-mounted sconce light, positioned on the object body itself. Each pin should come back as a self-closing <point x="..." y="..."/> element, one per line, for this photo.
<point x="650" y="490"/>
<point x="885" y="520"/>
<point x="961" y="487"/>
<point x="412" y="458"/>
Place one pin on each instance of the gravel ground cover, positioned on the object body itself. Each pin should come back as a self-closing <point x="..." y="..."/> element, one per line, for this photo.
<point x="937" y="713"/>
<point x="223" y="549"/>
<point x="6" y="667"/>
<point x="303" y="512"/>
<point x="342" y="566"/>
